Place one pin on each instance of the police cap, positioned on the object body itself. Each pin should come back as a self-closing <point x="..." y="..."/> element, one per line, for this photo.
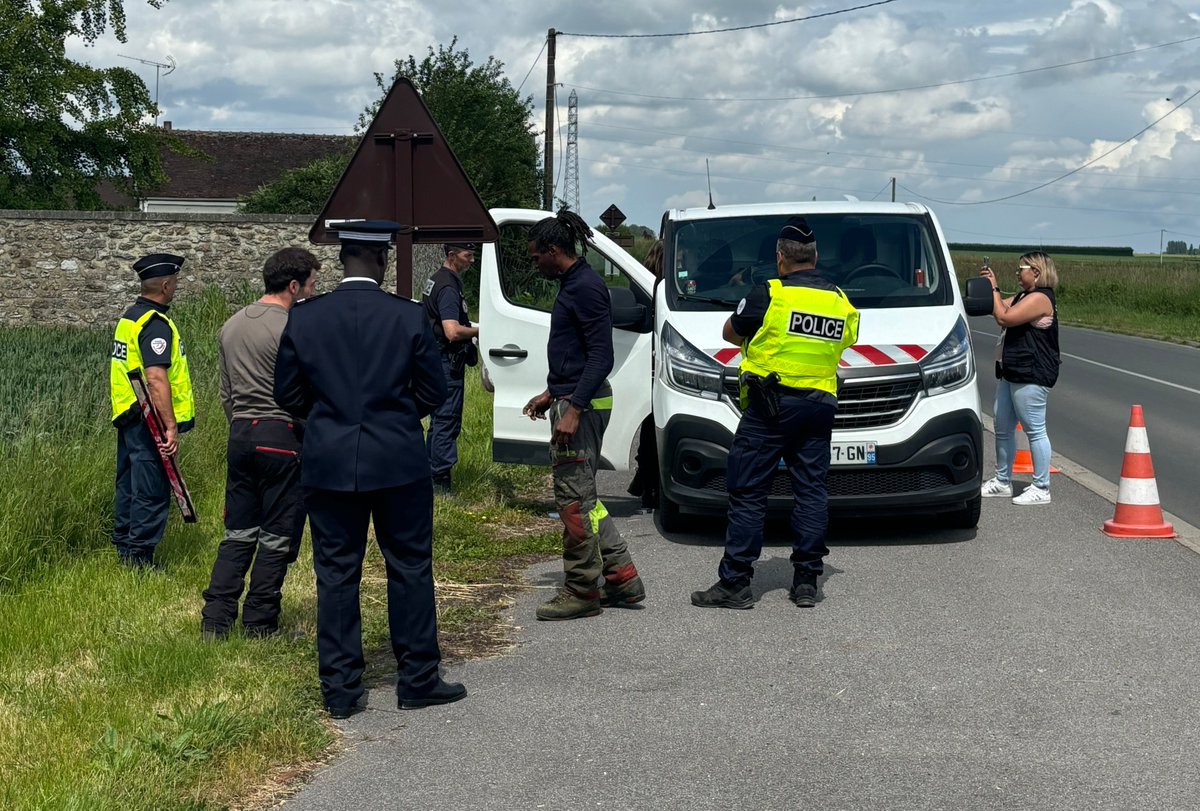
<point x="459" y="246"/>
<point x="154" y="265"/>
<point x="373" y="231"/>
<point x="796" y="229"/>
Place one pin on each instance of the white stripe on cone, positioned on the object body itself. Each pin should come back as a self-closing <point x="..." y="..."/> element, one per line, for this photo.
<point x="1138" y="492"/>
<point x="1137" y="441"/>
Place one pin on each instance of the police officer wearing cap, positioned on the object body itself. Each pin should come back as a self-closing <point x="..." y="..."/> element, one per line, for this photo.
<point x="792" y="331"/>
<point x="446" y="309"/>
<point x="147" y="341"/>
<point x="361" y="365"/>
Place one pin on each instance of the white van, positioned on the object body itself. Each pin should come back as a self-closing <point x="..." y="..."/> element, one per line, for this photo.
<point x="908" y="435"/>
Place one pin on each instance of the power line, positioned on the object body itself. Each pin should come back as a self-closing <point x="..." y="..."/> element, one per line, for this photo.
<point x="1146" y="128"/>
<point x="902" y="172"/>
<point x="534" y="65"/>
<point x="872" y="155"/>
<point x="890" y="90"/>
<point x="727" y="30"/>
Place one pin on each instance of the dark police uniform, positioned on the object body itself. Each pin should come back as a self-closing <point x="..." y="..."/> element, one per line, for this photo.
<point x="795" y="330"/>
<point x="361" y="365"/>
<point x="145" y="336"/>
<point x="443" y="300"/>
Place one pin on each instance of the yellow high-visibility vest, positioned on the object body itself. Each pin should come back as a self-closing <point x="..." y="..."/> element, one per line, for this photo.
<point x="802" y="337"/>
<point x="127" y="357"/>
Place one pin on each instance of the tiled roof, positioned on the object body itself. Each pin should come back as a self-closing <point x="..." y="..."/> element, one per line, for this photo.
<point x="241" y="161"/>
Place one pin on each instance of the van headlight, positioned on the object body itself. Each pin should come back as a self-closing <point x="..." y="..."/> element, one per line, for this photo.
<point x="951" y="364"/>
<point x="687" y="368"/>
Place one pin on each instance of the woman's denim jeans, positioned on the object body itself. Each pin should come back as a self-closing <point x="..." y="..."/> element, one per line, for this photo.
<point x="1024" y="403"/>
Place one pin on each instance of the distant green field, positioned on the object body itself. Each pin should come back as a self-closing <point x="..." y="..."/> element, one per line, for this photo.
<point x="1135" y="295"/>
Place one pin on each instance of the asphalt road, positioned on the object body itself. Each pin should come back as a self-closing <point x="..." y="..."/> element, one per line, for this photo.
<point x="1103" y="375"/>
<point x="1032" y="663"/>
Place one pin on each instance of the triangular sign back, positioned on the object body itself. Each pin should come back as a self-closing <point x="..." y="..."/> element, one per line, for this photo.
<point x="404" y="170"/>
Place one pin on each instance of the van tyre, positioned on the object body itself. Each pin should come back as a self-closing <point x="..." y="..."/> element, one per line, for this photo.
<point x="967" y="517"/>
<point x="670" y="517"/>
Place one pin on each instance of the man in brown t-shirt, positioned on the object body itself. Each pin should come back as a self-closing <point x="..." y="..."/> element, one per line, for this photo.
<point x="264" y="510"/>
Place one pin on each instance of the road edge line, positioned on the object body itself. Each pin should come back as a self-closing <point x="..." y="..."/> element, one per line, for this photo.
<point x="1185" y="534"/>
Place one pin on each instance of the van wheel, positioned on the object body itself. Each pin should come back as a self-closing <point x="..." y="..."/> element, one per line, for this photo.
<point x="670" y="518"/>
<point x="967" y="517"/>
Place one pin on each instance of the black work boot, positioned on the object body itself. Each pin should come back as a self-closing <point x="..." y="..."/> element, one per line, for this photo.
<point x="442" y="483"/>
<point x="724" y="595"/>
<point x="804" y="590"/>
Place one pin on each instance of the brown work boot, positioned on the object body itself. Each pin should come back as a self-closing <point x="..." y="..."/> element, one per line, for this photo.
<point x="628" y="593"/>
<point x="567" y="605"/>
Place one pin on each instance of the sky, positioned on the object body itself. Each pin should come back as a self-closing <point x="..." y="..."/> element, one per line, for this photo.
<point x="962" y="103"/>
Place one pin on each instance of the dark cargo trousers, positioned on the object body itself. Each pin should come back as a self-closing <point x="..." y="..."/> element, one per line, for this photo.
<point x="264" y="521"/>
<point x="445" y="424"/>
<point x="800" y="438"/>
<point x="592" y="546"/>
<point x="143" y="496"/>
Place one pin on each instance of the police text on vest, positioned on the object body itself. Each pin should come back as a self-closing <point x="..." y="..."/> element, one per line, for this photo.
<point x="816" y="326"/>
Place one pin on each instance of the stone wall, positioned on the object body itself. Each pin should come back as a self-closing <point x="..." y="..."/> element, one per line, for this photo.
<point x="74" y="267"/>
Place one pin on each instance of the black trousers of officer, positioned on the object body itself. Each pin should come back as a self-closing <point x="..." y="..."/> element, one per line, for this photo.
<point x="445" y="423"/>
<point x="143" y="495"/>
<point x="800" y="436"/>
<point x="403" y="518"/>
<point x="264" y="522"/>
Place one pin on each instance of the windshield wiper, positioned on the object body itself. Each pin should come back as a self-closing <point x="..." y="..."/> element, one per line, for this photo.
<point x="692" y="297"/>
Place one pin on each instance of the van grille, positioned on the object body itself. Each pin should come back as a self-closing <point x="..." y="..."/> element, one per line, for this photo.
<point x="845" y="483"/>
<point x="863" y="403"/>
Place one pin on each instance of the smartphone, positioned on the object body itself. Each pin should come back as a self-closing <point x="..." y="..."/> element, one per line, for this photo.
<point x="987" y="262"/>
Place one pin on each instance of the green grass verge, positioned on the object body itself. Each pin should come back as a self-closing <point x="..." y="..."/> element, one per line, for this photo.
<point x="1138" y="295"/>
<point x="108" y="697"/>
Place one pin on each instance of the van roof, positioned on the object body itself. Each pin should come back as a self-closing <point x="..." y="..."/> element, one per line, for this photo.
<point x="802" y="207"/>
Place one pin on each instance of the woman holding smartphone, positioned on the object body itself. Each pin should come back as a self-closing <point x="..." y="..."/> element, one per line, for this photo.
<point x="1027" y="361"/>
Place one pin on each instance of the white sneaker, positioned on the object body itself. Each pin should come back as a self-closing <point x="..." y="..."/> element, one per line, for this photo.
<point x="993" y="487"/>
<point x="1032" y="495"/>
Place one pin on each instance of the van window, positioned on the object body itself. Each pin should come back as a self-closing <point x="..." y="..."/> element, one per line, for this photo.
<point x="878" y="260"/>
<point x="524" y="286"/>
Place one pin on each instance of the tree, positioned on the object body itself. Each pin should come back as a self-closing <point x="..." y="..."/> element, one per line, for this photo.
<point x="66" y="126"/>
<point x="303" y="190"/>
<point x="486" y="123"/>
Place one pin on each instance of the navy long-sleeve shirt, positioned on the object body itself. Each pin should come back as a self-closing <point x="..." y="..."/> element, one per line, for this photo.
<point x="580" y="353"/>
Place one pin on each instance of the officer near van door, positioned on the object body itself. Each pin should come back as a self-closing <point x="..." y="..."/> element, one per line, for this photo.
<point x="792" y="331"/>
<point x="446" y="309"/>
<point x="147" y="341"/>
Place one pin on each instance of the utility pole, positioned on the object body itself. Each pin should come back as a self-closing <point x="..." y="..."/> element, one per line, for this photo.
<point x="1161" y="233"/>
<point x="548" y="166"/>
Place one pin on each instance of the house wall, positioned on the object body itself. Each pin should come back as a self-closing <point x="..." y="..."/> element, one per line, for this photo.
<point x="74" y="267"/>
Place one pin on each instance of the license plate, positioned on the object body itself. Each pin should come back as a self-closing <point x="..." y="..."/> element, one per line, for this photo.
<point x="852" y="453"/>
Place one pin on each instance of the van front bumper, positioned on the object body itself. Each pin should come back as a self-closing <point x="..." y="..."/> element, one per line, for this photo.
<point x="936" y="470"/>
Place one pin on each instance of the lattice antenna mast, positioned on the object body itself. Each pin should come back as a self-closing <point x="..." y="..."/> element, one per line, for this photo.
<point x="571" y="187"/>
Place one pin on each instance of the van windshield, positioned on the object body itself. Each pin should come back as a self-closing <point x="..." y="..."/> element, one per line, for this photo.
<point x="878" y="260"/>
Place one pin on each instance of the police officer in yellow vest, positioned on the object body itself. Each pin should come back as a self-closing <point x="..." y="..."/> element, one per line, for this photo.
<point x="146" y="339"/>
<point x="792" y="331"/>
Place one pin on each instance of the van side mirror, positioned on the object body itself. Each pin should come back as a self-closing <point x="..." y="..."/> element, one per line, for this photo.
<point x="627" y="313"/>
<point x="979" y="296"/>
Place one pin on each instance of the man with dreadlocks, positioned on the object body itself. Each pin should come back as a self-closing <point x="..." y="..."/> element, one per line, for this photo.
<point x="579" y="401"/>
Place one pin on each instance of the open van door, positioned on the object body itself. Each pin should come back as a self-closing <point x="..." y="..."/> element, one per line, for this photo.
<point x="514" y="326"/>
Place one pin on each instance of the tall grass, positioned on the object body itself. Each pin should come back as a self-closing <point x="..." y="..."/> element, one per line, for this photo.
<point x="1135" y="295"/>
<point x="109" y="699"/>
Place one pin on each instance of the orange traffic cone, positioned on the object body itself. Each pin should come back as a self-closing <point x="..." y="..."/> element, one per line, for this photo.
<point x="1138" y="512"/>
<point x="1023" y="462"/>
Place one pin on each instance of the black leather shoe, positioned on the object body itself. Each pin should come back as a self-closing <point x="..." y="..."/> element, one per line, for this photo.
<point x="342" y="713"/>
<point x="803" y="595"/>
<point x="723" y="595"/>
<point x="444" y="692"/>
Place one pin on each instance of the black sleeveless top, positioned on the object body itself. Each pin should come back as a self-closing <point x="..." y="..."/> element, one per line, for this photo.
<point x="1030" y="354"/>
